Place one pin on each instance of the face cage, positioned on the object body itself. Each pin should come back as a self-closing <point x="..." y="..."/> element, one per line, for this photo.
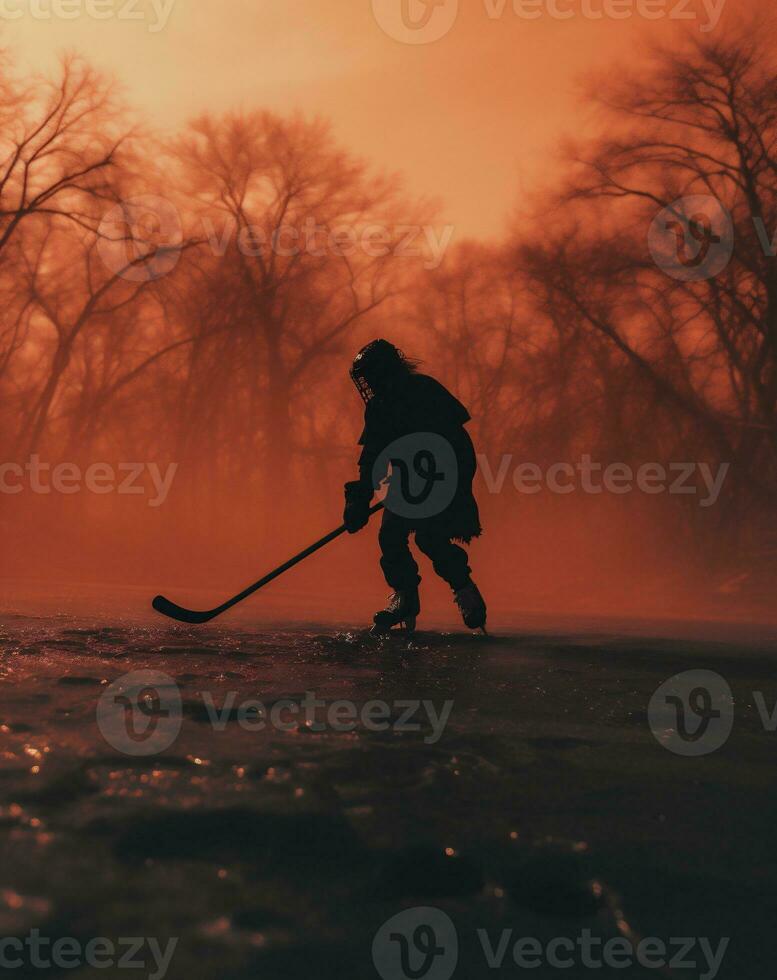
<point x="363" y="387"/>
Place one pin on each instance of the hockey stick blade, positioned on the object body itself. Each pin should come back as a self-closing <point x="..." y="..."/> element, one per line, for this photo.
<point x="174" y="611"/>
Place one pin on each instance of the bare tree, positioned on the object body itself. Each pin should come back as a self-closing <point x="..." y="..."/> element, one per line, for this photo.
<point x="701" y="122"/>
<point x="294" y="281"/>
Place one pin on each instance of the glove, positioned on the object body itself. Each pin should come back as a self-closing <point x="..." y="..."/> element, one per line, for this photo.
<point x="357" y="506"/>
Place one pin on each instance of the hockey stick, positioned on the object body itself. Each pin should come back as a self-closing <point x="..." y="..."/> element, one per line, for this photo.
<point x="174" y="611"/>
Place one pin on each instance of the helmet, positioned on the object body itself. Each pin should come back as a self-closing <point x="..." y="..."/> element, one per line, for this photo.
<point x="375" y="365"/>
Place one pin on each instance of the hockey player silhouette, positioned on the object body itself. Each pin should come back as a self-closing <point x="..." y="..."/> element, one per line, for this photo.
<point x="415" y="427"/>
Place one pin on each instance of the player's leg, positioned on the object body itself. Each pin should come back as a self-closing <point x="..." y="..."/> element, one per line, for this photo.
<point x="451" y="563"/>
<point x="401" y="572"/>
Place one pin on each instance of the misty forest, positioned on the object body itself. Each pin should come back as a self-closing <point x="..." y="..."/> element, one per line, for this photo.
<point x="157" y="307"/>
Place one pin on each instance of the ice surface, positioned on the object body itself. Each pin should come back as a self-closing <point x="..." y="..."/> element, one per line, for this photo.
<point x="544" y="805"/>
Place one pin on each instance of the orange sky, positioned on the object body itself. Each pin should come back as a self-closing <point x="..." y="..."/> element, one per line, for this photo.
<point x="473" y="118"/>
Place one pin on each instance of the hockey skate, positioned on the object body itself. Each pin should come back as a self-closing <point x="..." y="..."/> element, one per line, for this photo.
<point x="402" y="610"/>
<point x="472" y="606"/>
